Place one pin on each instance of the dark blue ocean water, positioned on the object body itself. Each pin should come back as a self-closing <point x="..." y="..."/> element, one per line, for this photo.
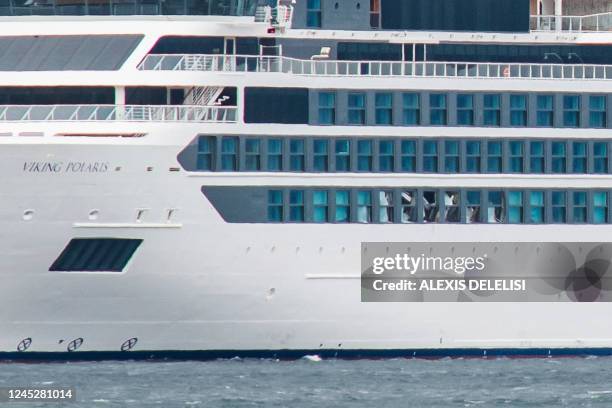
<point x="566" y="382"/>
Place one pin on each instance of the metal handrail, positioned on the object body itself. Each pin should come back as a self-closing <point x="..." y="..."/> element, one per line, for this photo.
<point x="600" y="22"/>
<point x="138" y="113"/>
<point x="280" y="64"/>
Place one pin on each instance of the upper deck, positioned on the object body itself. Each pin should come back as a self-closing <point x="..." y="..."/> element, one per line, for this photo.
<point x="126" y="7"/>
<point x="516" y="16"/>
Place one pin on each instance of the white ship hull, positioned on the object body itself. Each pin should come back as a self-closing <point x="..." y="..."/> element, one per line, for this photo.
<point x="199" y="284"/>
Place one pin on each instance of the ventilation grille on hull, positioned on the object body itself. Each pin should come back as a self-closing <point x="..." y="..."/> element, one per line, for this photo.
<point x="96" y="255"/>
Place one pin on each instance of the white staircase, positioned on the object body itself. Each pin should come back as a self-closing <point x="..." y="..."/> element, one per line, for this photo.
<point x="205" y="96"/>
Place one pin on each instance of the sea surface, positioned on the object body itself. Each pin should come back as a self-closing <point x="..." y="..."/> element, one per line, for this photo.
<point x="406" y="383"/>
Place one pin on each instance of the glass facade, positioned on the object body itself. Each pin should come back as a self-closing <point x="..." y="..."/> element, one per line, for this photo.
<point x="428" y="108"/>
<point x="403" y="155"/>
<point x="444" y="205"/>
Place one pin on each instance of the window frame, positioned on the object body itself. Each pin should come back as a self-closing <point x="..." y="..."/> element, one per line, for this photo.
<point x="491" y="110"/>
<point x="327" y="109"/>
<point x="360" y="110"/>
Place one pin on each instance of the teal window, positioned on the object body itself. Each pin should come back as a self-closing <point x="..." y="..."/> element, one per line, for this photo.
<point x="545" y="110"/>
<point x="252" y="155"/>
<point x="515" y="159"/>
<point x="472" y="156"/>
<point x="408" y="159"/>
<point x="364" y="155"/>
<point x="451" y="156"/>
<point x="437" y="109"/>
<point x="296" y="155"/>
<point x="430" y="156"/>
<point x="537" y="156"/>
<point x="327" y="108"/>
<point x="431" y="206"/>
<point x="600" y="207"/>
<point x="579" y="157"/>
<point x="229" y="154"/>
<point x="206" y="153"/>
<point x="356" y="109"/>
<point x="343" y="155"/>
<point x="275" y="205"/>
<point x="385" y="207"/>
<point x="409" y="207"/>
<point x="571" y="110"/>
<point x="386" y="152"/>
<point x="465" y="110"/>
<point x="496" y="207"/>
<point x="559" y="207"/>
<point x="452" y="206"/>
<point x="536" y="207"/>
<point x="473" y="207"/>
<point x="579" y="207"/>
<point x="411" y="109"/>
<point x="384" y="108"/>
<point x="343" y="207"/>
<point x="320" y="206"/>
<point x="518" y="110"/>
<point x="275" y="155"/>
<point x="600" y="157"/>
<point x="320" y="155"/>
<point x="559" y="157"/>
<point x="597" y="111"/>
<point x="364" y="206"/>
<point x="492" y="110"/>
<point x="296" y="206"/>
<point x="313" y="13"/>
<point x="494" y="156"/>
<point x="515" y="207"/>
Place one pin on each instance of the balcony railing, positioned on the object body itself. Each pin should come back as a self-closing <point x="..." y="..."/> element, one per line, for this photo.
<point x="601" y="22"/>
<point x="132" y="113"/>
<point x="279" y="64"/>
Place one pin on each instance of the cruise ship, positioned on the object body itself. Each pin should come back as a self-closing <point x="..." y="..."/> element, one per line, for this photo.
<point x="198" y="178"/>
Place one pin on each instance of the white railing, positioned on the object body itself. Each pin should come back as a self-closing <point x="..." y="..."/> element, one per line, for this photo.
<point x="601" y="22"/>
<point x="145" y="113"/>
<point x="279" y="64"/>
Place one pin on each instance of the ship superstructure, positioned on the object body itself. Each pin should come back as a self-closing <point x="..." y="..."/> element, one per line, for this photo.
<point x="198" y="176"/>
